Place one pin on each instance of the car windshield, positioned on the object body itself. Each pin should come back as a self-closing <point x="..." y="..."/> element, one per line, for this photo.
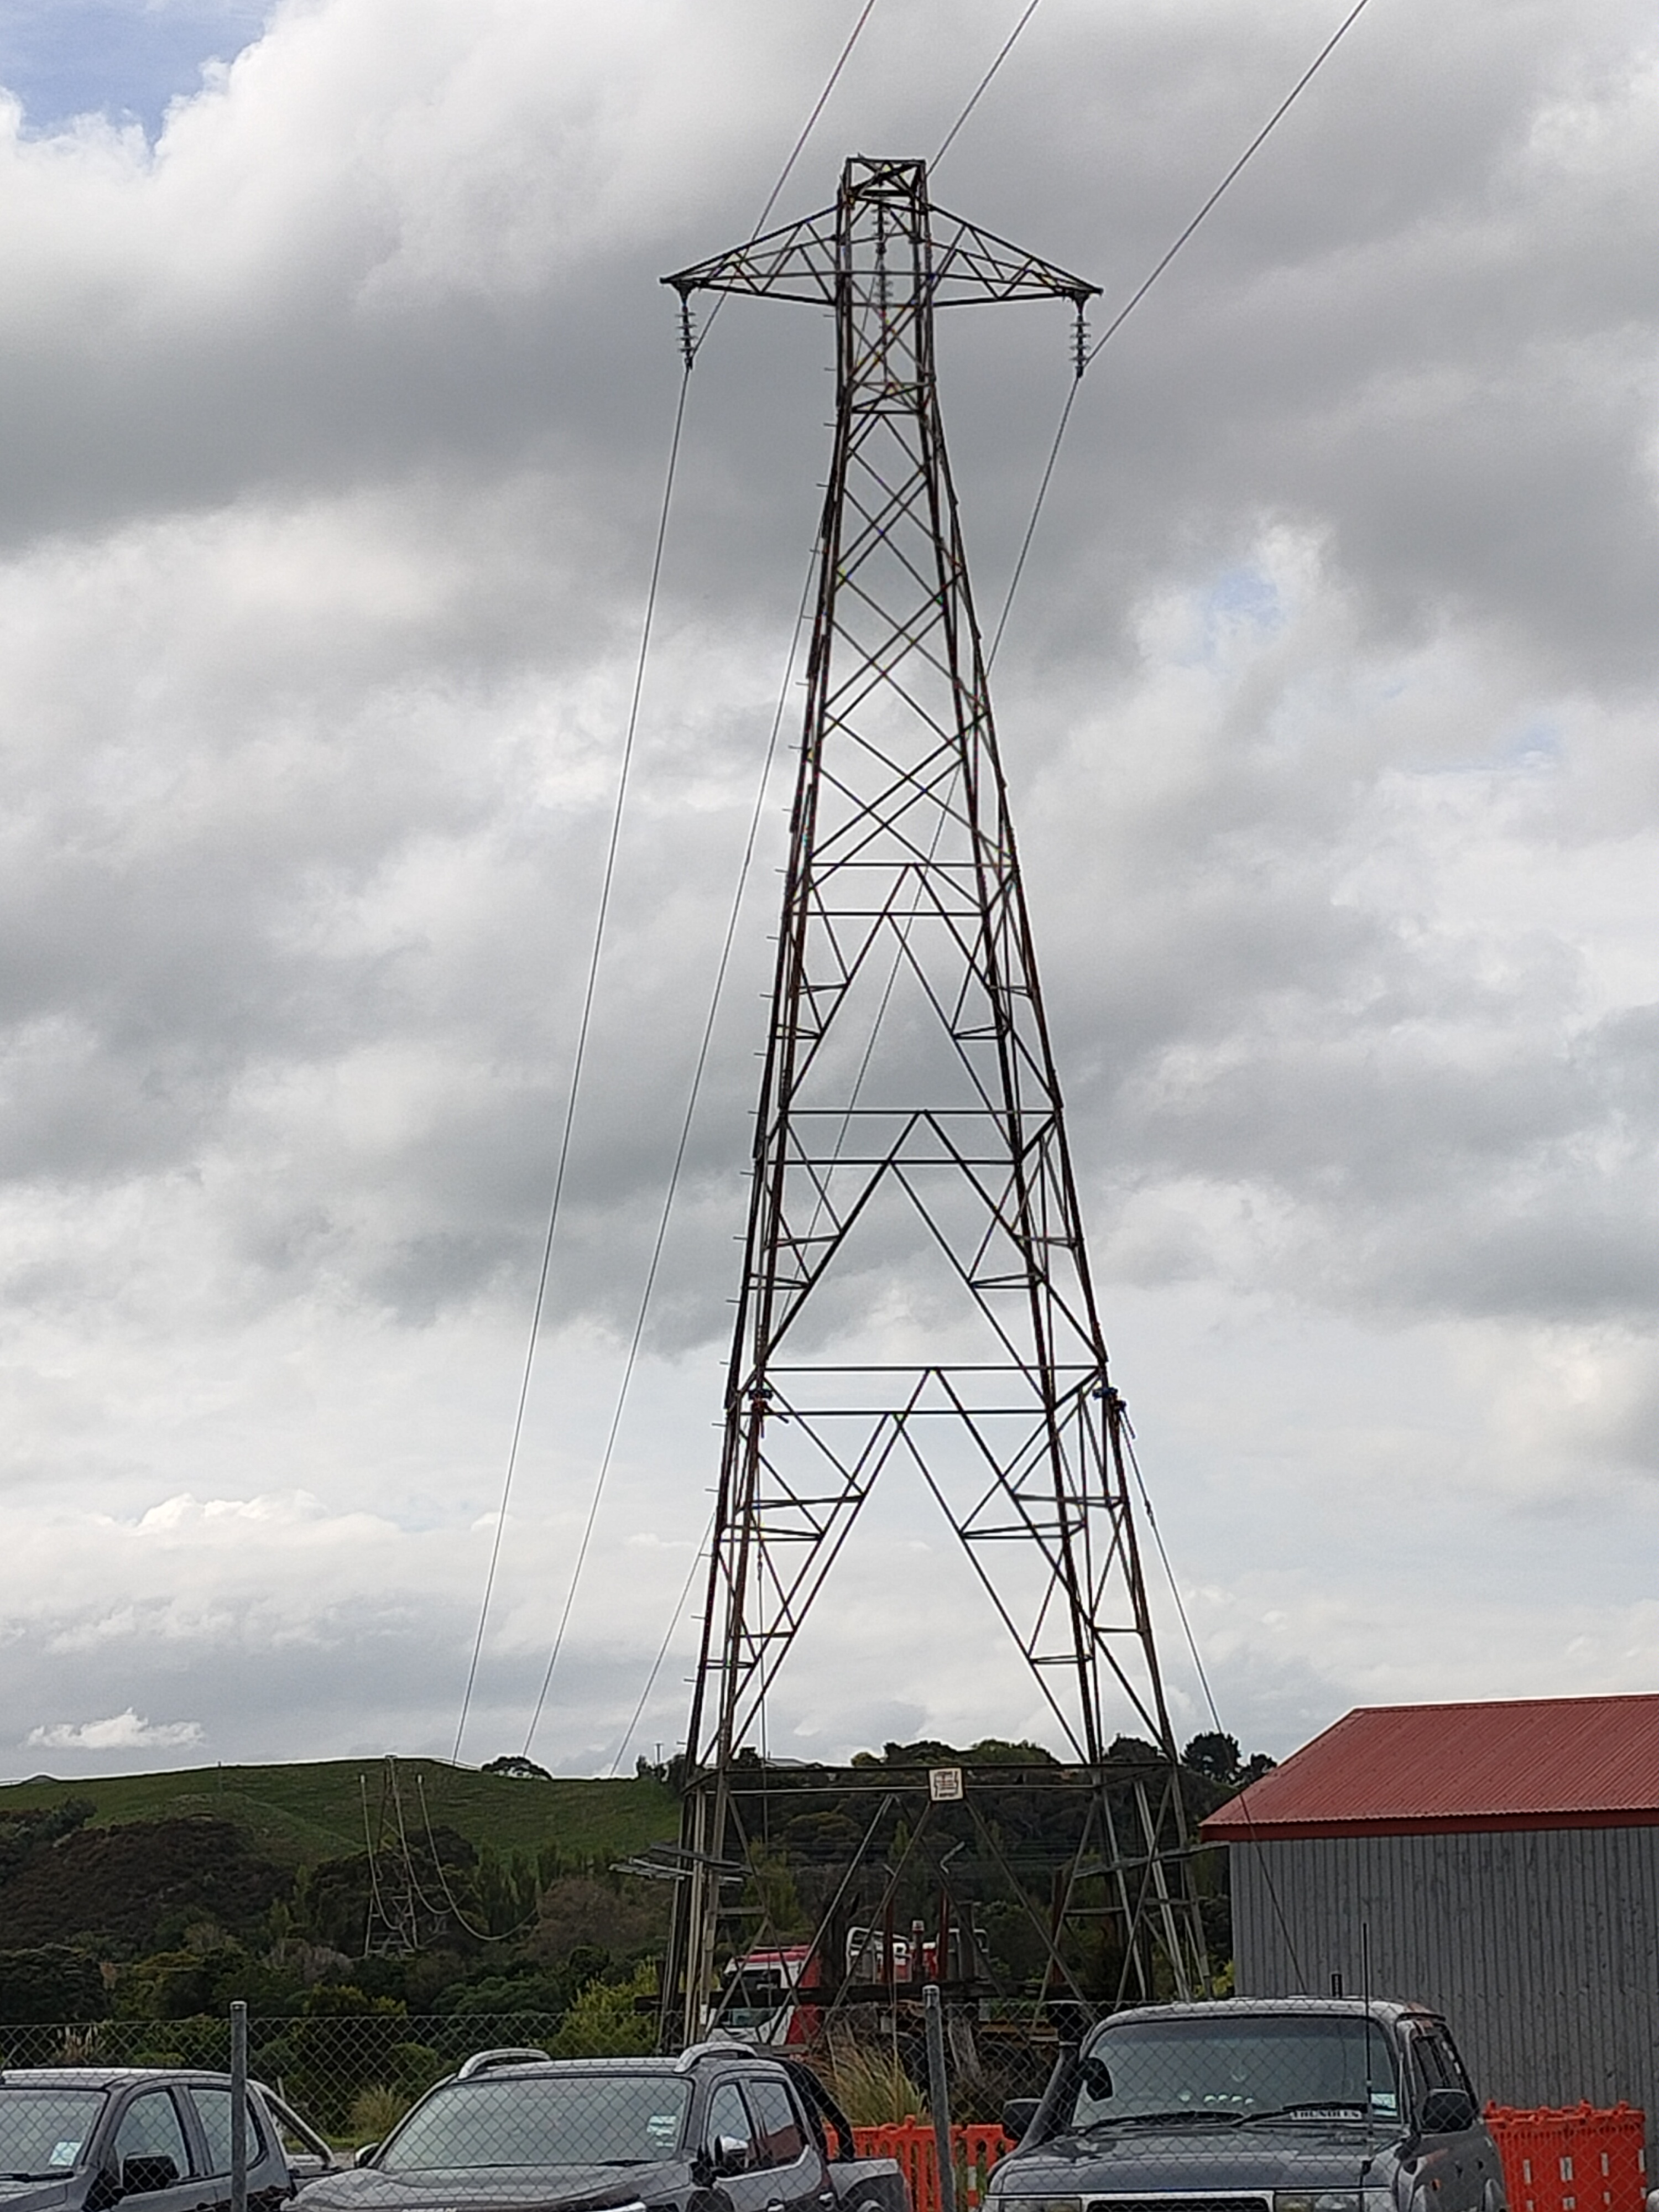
<point x="542" y="2119"/>
<point x="1232" y="2065"/>
<point x="44" y="2132"/>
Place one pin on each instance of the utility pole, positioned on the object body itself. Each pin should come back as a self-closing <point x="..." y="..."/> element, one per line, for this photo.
<point x="910" y="1133"/>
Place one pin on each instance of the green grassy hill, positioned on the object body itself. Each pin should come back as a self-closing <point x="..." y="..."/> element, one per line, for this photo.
<point x="301" y="1815"/>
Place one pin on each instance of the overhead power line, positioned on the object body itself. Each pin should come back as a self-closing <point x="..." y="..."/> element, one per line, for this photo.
<point x="667" y="1639"/>
<point x="978" y="92"/>
<point x="607" y="880"/>
<point x="698" y="1071"/>
<point x="517" y="1435"/>
<point x="695" y="345"/>
<point x="1255" y="146"/>
<point x="1209" y="1694"/>
<point x="1151" y="277"/>
<point x="818" y="106"/>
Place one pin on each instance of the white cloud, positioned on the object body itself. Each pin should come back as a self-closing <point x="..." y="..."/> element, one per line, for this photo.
<point x="126" y="1731"/>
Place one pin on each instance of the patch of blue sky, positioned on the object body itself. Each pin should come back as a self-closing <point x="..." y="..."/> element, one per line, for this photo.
<point x="1247" y="595"/>
<point x="1538" y="743"/>
<point x="1536" y="747"/>
<point x="126" y="59"/>
<point x="1239" y="599"/>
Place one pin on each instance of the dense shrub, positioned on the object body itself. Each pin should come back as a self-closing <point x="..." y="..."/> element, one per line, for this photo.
<point x="54" y="1981"/>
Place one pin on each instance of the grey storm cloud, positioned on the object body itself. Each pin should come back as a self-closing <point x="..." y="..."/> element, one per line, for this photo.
<point x="337" y="415"/>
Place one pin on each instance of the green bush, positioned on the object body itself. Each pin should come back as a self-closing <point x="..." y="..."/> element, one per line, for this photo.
<point x="375" y="2111"/>
<point x="607" y="2022"/>
<point x="53" y="1981"/>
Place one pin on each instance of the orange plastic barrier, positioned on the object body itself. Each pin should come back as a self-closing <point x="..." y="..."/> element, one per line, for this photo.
<point x="1574" y="2159"/>
<point x="975" y="2148"/>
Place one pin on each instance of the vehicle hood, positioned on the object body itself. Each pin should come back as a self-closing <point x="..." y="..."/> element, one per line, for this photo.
<point x="1223" y="2161"/>
<point x="35" y="2195"/>
<point x="571" y="2188"/>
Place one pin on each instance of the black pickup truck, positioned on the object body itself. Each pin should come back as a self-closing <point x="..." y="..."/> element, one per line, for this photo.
<point x="722" y="2128"/>
<point x="1268" y="2105"/>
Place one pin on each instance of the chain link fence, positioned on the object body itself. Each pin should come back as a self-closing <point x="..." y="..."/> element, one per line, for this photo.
<point x="873" y="2059"/>
<point x="351" y="2075"/>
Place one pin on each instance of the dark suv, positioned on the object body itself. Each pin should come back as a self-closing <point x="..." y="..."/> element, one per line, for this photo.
<point x="720" y="2128"/>
<point x="1256" y="2104"/>
<point x="85" y="2138"/>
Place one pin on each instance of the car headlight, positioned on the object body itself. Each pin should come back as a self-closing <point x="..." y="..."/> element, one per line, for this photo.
<point x="1321" y="2200"/>
<point x="1016" y="2204"/>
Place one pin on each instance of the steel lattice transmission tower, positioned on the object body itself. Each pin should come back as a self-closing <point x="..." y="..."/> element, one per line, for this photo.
<point x="910" y="1130"/>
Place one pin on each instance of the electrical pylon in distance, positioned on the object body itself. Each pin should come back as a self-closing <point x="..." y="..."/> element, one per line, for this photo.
<point x="910" y="1133"/>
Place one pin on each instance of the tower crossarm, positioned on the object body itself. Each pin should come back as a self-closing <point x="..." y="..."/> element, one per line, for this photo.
<point x="808" y="260"/>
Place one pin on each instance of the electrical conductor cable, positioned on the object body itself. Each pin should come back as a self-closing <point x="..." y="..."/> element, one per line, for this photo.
<point x="698" y="1071"/>
<point x="980" y="88"/>
<point x="607" y="880"/>
<point x="692" y="348"/>
<point x="1087" y="355"/>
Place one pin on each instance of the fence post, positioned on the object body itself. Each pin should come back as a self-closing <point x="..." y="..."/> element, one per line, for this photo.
<point x="939" y="2096"/>
<point x="238" y="2106"/>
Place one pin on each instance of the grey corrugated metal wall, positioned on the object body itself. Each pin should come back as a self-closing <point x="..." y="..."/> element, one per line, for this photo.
<point x="1541" y="1946"/>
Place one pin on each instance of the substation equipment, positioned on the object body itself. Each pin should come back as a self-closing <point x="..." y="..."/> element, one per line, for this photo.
<point x="909" y="1107"/>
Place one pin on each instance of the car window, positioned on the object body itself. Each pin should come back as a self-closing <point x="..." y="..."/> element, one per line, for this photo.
<point x="213" y="2110"/>
<point x="150" y="2128"/>
<point x="1438" y="2066"/>
<point x="781" y="2138"/>
<point x="1446" y="2050"/>
<point x="45" y="2133"/>
<point x="541" y="2119"/>
<point x="1430" y="2063"/>
<point x="729" y="2116"/>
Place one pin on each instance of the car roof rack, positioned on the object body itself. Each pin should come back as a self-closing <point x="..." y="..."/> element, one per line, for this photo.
<point x="715" y="2046"/>
<point x="482" y="2062"/>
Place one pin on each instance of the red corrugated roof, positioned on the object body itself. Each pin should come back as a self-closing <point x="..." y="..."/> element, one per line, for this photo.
<point x="1396" y="1769"/>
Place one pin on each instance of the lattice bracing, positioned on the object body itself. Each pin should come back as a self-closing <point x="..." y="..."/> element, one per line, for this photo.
<point x="911" y="1136"/>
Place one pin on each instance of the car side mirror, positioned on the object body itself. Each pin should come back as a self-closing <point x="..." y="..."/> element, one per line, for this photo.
<point x="143" y="2177"/>
<point x="364" y="2153"/>
<point x="1447" y="2112"/>
<point x="1017" y="2115"/>
<point x="731" y="2154"/>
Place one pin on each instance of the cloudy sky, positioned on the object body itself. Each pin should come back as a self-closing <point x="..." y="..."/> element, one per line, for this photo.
<point x="336" y="388"/>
